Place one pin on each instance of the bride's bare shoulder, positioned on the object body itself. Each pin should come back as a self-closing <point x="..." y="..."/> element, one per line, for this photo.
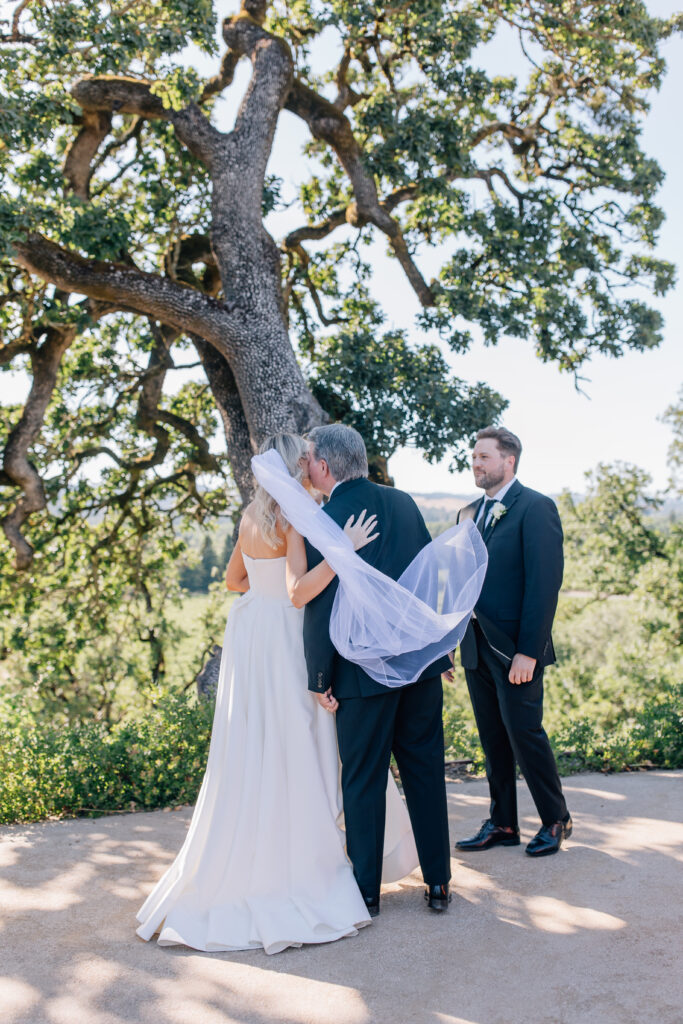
<point x="248" y="513"/>
<point x="249" y="525"/>
<point x="252" y="539"/>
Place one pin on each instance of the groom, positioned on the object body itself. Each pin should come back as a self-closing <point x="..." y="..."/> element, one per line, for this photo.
<point x="372" y="720"/>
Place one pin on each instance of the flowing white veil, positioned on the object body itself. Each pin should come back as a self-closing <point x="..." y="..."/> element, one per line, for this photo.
<point x="392" y="629"/>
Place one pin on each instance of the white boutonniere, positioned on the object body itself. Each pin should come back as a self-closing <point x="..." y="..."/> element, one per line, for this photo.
<point x="497" y="512"/>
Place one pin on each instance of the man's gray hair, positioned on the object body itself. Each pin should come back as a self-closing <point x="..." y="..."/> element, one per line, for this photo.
<point x="342" y="448"/>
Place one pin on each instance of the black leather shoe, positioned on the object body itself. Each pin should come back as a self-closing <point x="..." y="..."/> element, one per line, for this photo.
<point x="438" y="897"/>
<point x="490" y="835"/>
<point x="549" y="838"/>
<point x="372" y="904"/>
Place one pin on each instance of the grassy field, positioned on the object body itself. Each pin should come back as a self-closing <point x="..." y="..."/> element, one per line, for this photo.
<point x="201" y="619"/>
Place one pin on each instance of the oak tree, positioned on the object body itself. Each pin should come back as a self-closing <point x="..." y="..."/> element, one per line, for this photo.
<point x="133" y="220"/>
<point x="136" y="240"/>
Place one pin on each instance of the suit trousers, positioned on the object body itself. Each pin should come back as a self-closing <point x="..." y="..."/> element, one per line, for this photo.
<point x="408" y="722"/>
<point x="509" y="719"/>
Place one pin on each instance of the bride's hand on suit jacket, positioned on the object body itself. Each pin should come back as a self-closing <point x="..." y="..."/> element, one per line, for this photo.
<point x="303" y="585"/>
<point x="360" y="533"/>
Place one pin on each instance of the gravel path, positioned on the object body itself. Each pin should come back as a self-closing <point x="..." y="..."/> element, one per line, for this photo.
<point x="590" y="936"/>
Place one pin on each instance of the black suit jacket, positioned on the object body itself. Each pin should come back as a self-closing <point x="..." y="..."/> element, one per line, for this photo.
<point x="402" y="534"/>
<point x="517" y="603"/>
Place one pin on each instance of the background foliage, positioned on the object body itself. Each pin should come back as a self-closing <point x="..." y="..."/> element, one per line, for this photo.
<point x="614" y="700"/>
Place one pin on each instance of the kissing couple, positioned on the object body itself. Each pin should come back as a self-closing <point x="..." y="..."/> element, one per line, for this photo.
<point x="354" y="597"/>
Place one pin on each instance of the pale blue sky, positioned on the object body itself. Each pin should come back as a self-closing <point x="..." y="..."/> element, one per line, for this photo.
<point x="564" y="433"/>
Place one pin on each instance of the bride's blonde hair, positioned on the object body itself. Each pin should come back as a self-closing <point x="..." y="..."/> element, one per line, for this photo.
<point x="292" y="449"/>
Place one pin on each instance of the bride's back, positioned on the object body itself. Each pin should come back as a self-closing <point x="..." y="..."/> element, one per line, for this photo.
<point x="252" y="541"/>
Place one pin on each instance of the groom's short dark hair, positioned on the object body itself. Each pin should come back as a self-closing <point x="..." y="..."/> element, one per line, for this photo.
<point x="342" y="448"/>
<point x="508" y="443"/>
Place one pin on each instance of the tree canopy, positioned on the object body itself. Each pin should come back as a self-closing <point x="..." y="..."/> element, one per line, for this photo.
<point x="133" y="235"/>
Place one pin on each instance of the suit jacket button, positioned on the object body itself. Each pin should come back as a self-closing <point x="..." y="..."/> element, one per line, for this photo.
<point x="320" y="680"/>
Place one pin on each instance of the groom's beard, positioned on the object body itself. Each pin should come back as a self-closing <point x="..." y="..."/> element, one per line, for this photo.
<point x="490" y="479"/>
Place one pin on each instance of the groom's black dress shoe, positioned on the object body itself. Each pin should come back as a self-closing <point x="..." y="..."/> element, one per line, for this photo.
<point x="372" y="905"/>
<point x="438" y="897"/>
<point x="490" y="835"/>
<point x="549" y="838"/>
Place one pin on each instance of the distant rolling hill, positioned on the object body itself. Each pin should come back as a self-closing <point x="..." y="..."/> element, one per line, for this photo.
<point x="438" y="500"/>
<point x="441" y="510"/>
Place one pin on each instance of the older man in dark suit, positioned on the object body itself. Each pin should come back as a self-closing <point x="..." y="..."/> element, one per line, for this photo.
<point x="508" y="644"/>
<point x="373" y="721"/>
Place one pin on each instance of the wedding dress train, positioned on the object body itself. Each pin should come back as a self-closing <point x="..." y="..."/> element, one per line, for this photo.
<point x="263" y="863"/>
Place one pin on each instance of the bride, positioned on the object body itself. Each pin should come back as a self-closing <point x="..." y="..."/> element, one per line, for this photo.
<point x="263" y="863"/>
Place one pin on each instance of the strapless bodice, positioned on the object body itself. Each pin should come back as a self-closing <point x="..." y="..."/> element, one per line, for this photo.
<point x="267" y="577"/>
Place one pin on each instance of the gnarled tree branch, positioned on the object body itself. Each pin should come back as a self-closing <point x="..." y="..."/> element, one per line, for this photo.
<point x="17" y="469"/>
<point x="177" y="305"/>
<point x="314" y="232"/>
<point x="250" y="143"/>
<point x="77" y="166"/>
<point x="133" y="132"/>
<point x="123" y="95"/>
<point x="15" y="347"/>
<point x="330" y="125"/>
<point x="181" y="258"/>
<point x="224" y="77"/>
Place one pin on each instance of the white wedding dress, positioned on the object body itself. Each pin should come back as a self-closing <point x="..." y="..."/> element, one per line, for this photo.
<point x="264" y="864"/>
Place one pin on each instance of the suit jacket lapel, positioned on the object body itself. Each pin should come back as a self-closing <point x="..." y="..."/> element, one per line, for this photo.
<point x="508" y="500"/>
<point x="470" y="511"/>
<point x="511" y="497"/>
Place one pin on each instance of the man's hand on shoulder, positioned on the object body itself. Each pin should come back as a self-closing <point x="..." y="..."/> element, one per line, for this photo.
<point x="521" y="669"/>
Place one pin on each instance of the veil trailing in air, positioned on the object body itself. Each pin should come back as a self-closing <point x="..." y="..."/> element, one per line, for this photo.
<point x="392" y="629"/>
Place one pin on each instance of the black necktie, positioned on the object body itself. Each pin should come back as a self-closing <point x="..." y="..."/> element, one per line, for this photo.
<point x="481" y="523"/>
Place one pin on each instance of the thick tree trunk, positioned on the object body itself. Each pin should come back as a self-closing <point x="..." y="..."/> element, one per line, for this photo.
<point x="253" y="373"/>
<point x="379" y="470"/>
<point x="226" y="396"/>
<point x="273" y="393"/>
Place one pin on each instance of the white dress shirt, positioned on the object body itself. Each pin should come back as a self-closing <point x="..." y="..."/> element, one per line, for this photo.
<point x="498" y="496"/>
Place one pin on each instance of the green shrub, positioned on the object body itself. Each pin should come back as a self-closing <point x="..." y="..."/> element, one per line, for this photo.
<point x="652" y="738"/>
<point x="658" y="729"/>
<point x="158" y="759"/>
<point x="461" y="738"/>
<point x="577" y="747"/>
<point x="155" y="760"/>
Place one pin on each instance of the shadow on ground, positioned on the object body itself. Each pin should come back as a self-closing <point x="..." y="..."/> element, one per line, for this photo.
<point x="589" y="935"/>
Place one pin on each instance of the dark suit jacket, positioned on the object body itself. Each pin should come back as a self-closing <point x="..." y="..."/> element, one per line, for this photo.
<point x="402" y="534"/>
<point x="517" y="603"/>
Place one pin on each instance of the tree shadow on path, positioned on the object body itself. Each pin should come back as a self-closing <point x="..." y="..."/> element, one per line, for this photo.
<point x="587" y="935"/>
